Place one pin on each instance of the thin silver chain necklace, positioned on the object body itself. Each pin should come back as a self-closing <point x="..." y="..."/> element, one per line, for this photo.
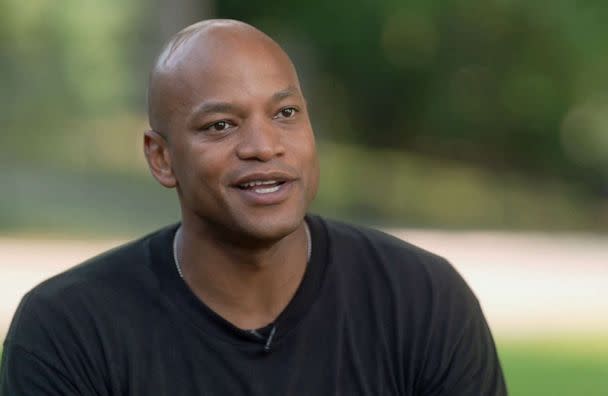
<point x="179" y="267"/>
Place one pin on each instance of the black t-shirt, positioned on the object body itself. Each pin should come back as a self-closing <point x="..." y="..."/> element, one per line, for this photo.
<point x="372" y="316"/>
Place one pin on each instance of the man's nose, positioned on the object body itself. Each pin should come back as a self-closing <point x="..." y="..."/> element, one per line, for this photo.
<point x="260" y="141"/>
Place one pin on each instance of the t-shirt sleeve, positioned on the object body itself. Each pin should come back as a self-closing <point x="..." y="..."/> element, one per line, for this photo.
<point x="24" y="374"/>
<point x="43" y="354"/>
<point x="461" y="355"/>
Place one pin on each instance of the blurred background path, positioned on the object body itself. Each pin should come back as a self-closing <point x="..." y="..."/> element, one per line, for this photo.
<point x="528" y="284"/>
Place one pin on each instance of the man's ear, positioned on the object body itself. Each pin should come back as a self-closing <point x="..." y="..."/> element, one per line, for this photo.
<point x="159" y="159"/>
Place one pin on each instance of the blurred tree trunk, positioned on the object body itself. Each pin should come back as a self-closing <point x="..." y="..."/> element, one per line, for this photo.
<point x="155" y="23"/>
<point x="174" y="15"/>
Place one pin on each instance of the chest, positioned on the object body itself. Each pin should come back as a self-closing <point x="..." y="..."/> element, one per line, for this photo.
<point x="320" y="357"/>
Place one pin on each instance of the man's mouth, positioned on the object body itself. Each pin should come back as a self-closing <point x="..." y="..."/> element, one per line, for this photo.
<point x="262" y="186"/>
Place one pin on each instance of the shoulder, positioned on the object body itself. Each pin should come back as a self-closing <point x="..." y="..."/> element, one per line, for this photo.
<point x="370" y="259"/>
<point x="90" y="290"/>
<point x="378" y="248"/>
<point x="364" y="237"/>
<point x="119" y="264"/>
<point x="438" y="320"/>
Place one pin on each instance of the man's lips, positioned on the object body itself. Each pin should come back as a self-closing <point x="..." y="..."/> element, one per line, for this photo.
<point x="262" y="180"/>
<point x="264" y="188"/>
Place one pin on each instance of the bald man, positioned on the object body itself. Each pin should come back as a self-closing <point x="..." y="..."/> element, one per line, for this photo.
<point x="248" y="294"/>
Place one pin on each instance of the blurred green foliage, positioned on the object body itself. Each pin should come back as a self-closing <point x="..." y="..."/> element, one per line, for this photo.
<point x="390" y="188"/>
<point x="430" y="112"/>
<point x="381" y="187"/>
<point x="516" y="85"/>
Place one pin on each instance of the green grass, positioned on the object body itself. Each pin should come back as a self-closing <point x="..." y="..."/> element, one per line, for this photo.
<point x="558" y="367"/>
<point x="554" y="368"/>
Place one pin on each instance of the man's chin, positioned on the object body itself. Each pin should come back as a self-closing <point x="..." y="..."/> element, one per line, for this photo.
<point x="268" y="222"/>
<point x="270" y="229"/>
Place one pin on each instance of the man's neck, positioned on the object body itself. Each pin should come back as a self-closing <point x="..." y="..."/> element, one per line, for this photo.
<point x="249" y="287"/>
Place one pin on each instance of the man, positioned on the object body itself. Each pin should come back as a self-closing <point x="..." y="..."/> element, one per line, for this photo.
<point x="248" y="295"/>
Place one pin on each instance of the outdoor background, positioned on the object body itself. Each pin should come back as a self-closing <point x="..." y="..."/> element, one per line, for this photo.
<point x="475" y="128"/>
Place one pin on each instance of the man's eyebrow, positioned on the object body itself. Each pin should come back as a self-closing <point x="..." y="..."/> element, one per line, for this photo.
<point x="214" y="107"/>
<point x="285" y="93"/>
<point x="211" y="107"/>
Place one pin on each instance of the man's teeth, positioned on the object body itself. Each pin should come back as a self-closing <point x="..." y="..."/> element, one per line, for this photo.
<point x="266" y="190"/>
<point x="257" y="183"/>
<point x="262" y="190"/>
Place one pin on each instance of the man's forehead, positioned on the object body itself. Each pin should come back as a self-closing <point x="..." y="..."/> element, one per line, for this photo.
<point x="239" y="79"/>
<point x="217" y="60"/>
<point x="211" y="41"/>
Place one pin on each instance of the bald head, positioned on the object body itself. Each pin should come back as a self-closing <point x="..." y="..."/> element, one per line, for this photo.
<point x="195" y="52"/>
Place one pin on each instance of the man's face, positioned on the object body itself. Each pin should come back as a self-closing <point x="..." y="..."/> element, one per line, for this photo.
<point x="241" y="144"/>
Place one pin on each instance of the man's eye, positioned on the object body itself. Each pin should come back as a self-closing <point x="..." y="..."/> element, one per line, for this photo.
<point x="218" y="126"/>
<point x="287" y="112"/>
